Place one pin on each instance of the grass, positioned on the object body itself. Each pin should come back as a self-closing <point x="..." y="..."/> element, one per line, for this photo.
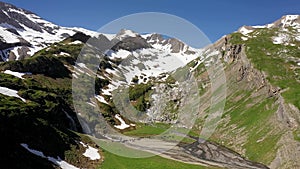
<point x="144" y="130"/>
<point x="252" y="121"/>
<point x="296" y="134"/>
<point x="271" y="58"/>
<point x="250" y="115"/>
<point x="113" y="161"/>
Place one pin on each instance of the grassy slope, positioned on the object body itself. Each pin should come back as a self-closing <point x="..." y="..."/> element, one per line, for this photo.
<point x="249" y="119"/>
<point x="271" y="58"/>
<point x="113" y="161"/>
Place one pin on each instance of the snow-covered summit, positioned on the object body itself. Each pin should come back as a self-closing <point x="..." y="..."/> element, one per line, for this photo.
<point x="288" y="21"/>
<point x="284" y="22"/>
<point x="287" y="30"/>
<point x="125" y="33"/>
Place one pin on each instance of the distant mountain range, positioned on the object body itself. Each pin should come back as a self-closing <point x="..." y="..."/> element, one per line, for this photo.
<point x="43" y="126"/>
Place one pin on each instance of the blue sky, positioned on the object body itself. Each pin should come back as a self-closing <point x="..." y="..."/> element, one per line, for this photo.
<point x="214" y="17"/>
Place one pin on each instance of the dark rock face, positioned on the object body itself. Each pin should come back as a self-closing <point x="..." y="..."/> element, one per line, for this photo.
<point x="80" y="37"/>
<point x="14" y="18"/>
<point x="176" y="45"/>
<point x="233" y="51"/>
<point x="101" y="43"/>
<point x="124" y="33"/>
<point x="12" y="56"/>
<point x="8" y="15"/>
<point x="13" y="31"/>
<point x="155" y="38"/>
<point x="4" y="45"/>
<point x="5" y="19"/>
<point x="23" y="51"/>
<point x="212" y="152"/>
<point x="131" y="44"/>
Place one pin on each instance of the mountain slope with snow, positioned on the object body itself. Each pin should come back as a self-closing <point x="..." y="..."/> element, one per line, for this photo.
<point x="22" y="33"/>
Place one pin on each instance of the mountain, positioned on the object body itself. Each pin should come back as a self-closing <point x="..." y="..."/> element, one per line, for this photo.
<point x="47" y="106"/>
<point x="261" y="119"/>
<point x="23" y="33"/>
<point x="288" y="27"/>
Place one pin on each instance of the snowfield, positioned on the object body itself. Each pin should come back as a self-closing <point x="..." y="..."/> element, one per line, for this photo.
<point x="8" y="36"/>
<point x="118" y="54"/>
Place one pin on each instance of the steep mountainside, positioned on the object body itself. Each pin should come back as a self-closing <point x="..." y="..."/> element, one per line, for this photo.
<point x="261" y="119"/>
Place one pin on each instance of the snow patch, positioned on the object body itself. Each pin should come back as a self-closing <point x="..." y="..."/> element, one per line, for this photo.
<point x="87" y="32"/>
<point x="82" y="65"/>
<point x="57" y="161"/>
<point x="263" y="26"/>
<point x="16" y="74"/>
<point x="7" y="36"/>
<point x="74" y="75"/>
<point x="145" y="36"/>
<point x="91" y="104"/>
<point x="91" y="152"/>
<point x="125" y="34"/>
<point x="76" y="42"/>
<point x="109" y="36"/>
<point x="123" y="125"/>
<point x="196" y="66"/>
<point x="243" y="30"/>
<point x="10" y="92"/>
<point x="281" y="39"/>
<point x="15" y="51"/>
<point x="289" y="21"/>
<point x="64" y="53"/>
<point x="244" y="38"/>
<point x="118" y="54"/>
<point x="101" y="99"/>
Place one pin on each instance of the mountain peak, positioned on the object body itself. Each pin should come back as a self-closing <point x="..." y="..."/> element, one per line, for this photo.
<point x="125" y="33"/>
<point x="284" y="22"/>
<point x="288" y="21"/>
